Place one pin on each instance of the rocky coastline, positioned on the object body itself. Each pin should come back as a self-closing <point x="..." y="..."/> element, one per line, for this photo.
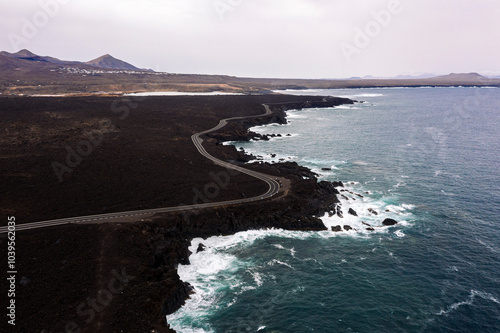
<point x="129" y="267"/>
<point x="298" y="210"/>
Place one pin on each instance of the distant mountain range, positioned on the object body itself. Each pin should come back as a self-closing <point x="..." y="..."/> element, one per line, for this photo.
<point x="426" y="76"/>
<point x="465" y="78"/>
<point x="400" y="77"/>
<point x="26" y="73"/>
<point x="27" y="60"/>
<point x="449" y="77"/>
<point x="104" y="62"/>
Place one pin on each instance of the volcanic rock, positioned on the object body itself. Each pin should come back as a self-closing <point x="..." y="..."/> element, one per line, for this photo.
<point x="338" y="184"/>
<point x="389" y="222"/>
<point x="201" y="248"/>
<point x="352" y="212"/>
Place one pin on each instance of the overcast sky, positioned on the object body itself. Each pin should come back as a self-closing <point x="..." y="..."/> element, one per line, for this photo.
<point x="264" y="38"/>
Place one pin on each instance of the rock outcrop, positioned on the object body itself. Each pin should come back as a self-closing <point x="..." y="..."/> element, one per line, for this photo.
<point x="389" y="222"/>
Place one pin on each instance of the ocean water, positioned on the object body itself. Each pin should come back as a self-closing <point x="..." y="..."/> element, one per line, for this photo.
<point x="427" y="157"/>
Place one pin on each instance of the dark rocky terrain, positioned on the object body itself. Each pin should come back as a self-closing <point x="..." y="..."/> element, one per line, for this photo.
<point x="121" y="277"/>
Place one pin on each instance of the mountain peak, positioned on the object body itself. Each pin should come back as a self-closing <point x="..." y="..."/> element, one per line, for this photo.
<point x="107" y="61"/>
<point x="24" y="53"/>
<point x="106" y="56"/>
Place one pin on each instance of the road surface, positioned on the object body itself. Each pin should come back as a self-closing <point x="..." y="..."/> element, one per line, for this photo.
<point x="275" y="185"/>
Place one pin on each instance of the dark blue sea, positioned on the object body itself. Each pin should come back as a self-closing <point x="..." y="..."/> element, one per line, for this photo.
<point x="426" y="157"/>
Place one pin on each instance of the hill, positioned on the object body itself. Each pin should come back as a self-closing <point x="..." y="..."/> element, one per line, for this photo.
<point x="105" y="62"/>
<point x="467" y="77"/>
<point x="108" y="62"/>
<point x="24" y="55"/>
<point x="30" y="56"/>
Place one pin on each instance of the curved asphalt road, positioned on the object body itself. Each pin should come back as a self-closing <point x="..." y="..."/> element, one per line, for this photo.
<point x="274" y="188"/>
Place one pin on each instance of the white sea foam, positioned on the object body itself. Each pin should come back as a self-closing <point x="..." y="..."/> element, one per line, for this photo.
<point x="371" y="212"/>
<point x="361" y="95"/>
<point x="399" y="233"/>
<point x="211" y="272"/>
<point x="270" y="159"/>
<point x="257" y="278"/>
<point x="278" y="262"/>
<point x="281" y="247"/>
<point x="296" y="115"/>
<point x="216" y="271"/>
<point x="469" y="301"/>
<point x="362" y="163"/>
<point x="318" y="162"/>
<point x="346" y="107"/>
